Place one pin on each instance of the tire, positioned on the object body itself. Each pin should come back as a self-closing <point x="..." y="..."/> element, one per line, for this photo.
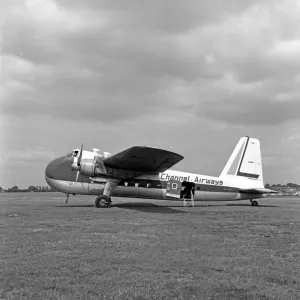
<point x="102" y="201"/>
<point x="254" y="203"/>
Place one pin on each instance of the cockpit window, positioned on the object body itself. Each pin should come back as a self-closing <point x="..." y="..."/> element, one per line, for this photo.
<point x="73" y="153"/>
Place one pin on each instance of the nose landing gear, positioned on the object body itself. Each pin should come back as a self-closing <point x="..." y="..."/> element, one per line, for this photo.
<point x="254" y="203"/>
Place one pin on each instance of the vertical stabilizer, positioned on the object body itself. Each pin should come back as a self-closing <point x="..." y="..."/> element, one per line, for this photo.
<point x="245" y="160"/>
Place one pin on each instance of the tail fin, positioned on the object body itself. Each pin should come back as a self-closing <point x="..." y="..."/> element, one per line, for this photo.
<point x="245" y="160"/>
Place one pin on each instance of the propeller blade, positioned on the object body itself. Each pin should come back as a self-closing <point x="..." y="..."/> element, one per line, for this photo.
<point x="77" y="175"/>
<point x="80" y="156"/>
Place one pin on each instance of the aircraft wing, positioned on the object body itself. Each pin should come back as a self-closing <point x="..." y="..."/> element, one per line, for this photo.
<point x="257" y="191"/>
<point x="143" y="159"/>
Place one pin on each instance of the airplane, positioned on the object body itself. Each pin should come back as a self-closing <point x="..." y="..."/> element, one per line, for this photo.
<point x="144" y="172"/>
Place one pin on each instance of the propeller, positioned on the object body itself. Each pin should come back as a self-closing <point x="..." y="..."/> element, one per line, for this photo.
<point x="77" y="175"/>
<point x="80" y="156"/>
<point x="78" y="162"/>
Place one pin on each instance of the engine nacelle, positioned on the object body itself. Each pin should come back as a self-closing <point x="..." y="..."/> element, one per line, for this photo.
<point x="92" y="167"/>
<point x="87" y="167"/>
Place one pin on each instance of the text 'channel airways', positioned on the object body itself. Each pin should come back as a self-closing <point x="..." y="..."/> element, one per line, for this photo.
<point x="197" y="179"/>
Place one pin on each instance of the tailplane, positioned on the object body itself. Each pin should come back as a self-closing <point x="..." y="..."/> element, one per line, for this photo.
<point x="245" y="160"/>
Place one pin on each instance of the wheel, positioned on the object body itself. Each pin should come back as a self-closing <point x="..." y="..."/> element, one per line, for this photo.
<point x="102" y="201"/>
<point x="254" y="203"/>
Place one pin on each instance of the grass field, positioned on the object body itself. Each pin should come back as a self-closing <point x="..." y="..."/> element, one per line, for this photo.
<point x="148" y="249"/>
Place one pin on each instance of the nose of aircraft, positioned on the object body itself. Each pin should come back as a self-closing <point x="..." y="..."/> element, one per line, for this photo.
<point x="60" y="168"/>
<point x="52" y="166"/>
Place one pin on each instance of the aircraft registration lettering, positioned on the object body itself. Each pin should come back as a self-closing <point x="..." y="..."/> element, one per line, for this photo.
<point x="197" y="179"/>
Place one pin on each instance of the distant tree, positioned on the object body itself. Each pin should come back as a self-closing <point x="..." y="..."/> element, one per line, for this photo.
<point x="267" y="186"/>
<point x="44" y="188"/>
<point x="14" y="189"/>
<point x="292" y="185"/>
<point x="32" y="188"/>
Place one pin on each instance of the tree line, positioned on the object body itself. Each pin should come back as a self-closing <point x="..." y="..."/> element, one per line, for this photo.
<point x="31" y="188"/>
<point x="288" y="185"/>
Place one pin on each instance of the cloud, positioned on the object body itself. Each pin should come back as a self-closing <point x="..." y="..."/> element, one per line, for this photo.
<point x="98" y="61"/>
<point x="251" y="110"/>
<point x="294" y="137"/>
<point x="125" y="69"/>
<point x="168" y="16"/>
<point x="29" y="156"/>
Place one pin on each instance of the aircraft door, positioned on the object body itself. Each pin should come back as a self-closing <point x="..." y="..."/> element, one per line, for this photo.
<point x="173" y="189"/>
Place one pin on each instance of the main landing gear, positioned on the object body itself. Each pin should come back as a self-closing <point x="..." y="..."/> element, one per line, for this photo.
<point x="102" y="201"/>
<point x="254" y="203"/>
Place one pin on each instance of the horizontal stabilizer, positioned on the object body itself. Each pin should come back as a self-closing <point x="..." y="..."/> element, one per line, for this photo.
<point x="143" y="159"/>
<point x="257" y="191"/>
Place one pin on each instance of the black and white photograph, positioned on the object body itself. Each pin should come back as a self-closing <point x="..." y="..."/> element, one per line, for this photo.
<point x="150" y="149"/>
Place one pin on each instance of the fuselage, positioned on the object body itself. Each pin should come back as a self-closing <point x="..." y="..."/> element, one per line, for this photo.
<point x="59" y="175"/>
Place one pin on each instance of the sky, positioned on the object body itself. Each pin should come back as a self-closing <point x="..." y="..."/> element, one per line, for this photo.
<point x="186" y="77"/>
